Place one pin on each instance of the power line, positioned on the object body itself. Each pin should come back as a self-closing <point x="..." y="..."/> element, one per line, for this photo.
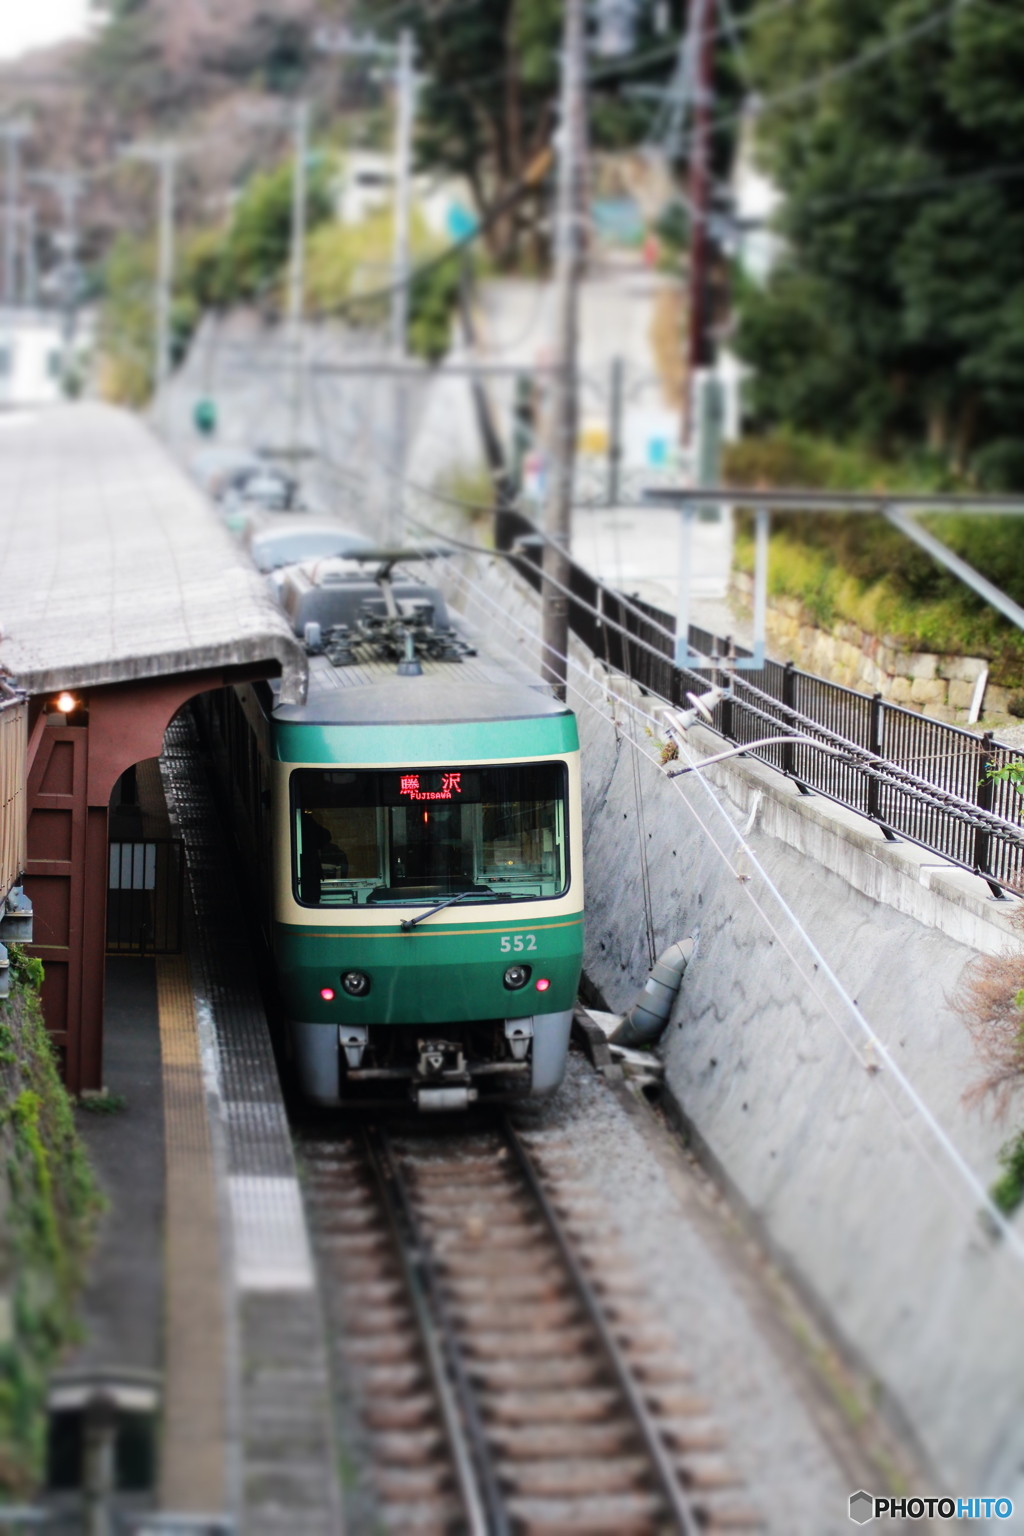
<point x="821" y="967"/>
<point x="822" y="970"/>
<point x="405" y="7"/>
<point x="531" y="180"/>
<point x="923" y="188"/>
<point x="845" y="67"/>
<point x="729" y="28"/>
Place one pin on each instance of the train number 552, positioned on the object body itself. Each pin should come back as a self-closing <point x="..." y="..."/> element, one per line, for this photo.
<point x="519" y="942"/>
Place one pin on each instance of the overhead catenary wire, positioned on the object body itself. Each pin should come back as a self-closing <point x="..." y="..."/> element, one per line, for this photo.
<point x="928" y="1135"/>
<point x="886" y="1064"/>
<point x="864" y="1037"/>
<point x="760" y="104"/>
<point x="870" y="764"/>
<point x="924" y="187"/>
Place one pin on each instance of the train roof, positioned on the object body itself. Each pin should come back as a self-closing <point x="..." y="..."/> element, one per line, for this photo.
<point x="467" y="698"/>
<point x="370" y="692"/>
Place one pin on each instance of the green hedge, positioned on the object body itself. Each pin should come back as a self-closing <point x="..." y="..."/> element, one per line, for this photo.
<point x="49" y="1202"/>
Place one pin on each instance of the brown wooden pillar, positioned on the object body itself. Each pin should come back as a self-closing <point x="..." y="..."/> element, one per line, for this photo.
<point x="55" y="870"/>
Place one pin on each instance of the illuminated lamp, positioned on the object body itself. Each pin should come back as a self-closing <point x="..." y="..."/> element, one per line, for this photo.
<point x="66" y="703"/>
<point x="543" y="984"/>
<point x="327" y="993"/>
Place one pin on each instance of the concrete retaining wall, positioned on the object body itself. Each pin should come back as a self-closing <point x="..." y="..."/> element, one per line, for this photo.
<point x="844" y="1178"/>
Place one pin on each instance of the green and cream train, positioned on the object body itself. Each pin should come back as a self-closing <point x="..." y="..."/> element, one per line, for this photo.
<point x="415" y="832"/>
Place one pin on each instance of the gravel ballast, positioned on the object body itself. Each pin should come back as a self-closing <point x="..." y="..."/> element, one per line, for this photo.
<point x="658" y="1212"/>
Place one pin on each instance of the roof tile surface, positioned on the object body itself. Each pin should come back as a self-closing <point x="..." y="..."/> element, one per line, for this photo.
<point x="112" y="564"/>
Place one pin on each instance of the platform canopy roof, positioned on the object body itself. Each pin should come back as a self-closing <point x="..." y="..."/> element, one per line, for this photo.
<point x="113" y="566"/>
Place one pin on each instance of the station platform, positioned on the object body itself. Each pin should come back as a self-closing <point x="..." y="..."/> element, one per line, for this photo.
<point x="201" y="1319"/>
<point x="124" y="596"/>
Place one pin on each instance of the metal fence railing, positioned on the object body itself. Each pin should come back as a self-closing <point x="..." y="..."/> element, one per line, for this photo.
<point x="917" y="778"/>
<point x="145" y="897"/>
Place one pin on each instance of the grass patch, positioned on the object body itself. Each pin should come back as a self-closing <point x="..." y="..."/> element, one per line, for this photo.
<point x="1008" y="1190"/>
<point x="467" y="501"/>
<point x="860" y="569"/>
<point x="103" y="1103"/>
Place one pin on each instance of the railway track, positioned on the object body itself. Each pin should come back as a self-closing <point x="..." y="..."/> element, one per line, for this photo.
<point x="499" y="1373"/>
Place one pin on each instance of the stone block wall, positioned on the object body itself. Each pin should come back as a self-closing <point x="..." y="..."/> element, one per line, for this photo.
<point x="935" y="685"/>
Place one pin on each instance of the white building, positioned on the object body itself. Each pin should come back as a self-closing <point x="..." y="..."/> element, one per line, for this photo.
<point x="756" y="200"/>
<point x="32" y="356"/>
<point x="367" y="185"/>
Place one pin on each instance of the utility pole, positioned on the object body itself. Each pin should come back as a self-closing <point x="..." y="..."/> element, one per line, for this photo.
<point x="30" y="267"/>
<point x="165" y="156"/>
<point x="12" y="132"/>
<point x="615" y="383"/>
<point x="698" y="332"/>
<point x="405" y="91"/>
<point x="563" y="410"/>
<point x="348" y="44"/>
<point x="405" y="87"/>
<point x="297" y="271"/>
<point x="68" y="187"/>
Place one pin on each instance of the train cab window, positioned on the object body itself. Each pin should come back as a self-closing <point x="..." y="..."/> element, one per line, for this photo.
<point x="368" y="838"/>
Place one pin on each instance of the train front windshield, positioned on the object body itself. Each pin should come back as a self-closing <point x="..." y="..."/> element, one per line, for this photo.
<point x="369" y="838"/>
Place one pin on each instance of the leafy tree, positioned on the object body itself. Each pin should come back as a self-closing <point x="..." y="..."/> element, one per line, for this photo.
<point x="156" y="59"/>
<point x="488" y="107"/>
<point x="897" y="314"/>
<point x="126" y="315"/>
<point x="433" y="300"/>
<point x="255" y="249"/>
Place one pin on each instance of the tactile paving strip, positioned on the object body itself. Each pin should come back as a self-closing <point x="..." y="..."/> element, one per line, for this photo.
<point x="193" y="1453"/>
<point x="288" y="1478"/>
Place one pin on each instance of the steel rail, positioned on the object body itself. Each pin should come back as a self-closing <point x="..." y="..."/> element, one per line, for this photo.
<point x="675" y="1496"/>
<point x="420" y="1284"/>
<point x="481" y="1489"/>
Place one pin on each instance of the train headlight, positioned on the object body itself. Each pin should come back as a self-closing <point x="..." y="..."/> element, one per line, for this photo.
<point x="355" y="983"/>
<point x="516" y="976"/>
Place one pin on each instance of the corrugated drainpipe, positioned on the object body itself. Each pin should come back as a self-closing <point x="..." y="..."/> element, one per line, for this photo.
<point x="649" y="1015"/>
